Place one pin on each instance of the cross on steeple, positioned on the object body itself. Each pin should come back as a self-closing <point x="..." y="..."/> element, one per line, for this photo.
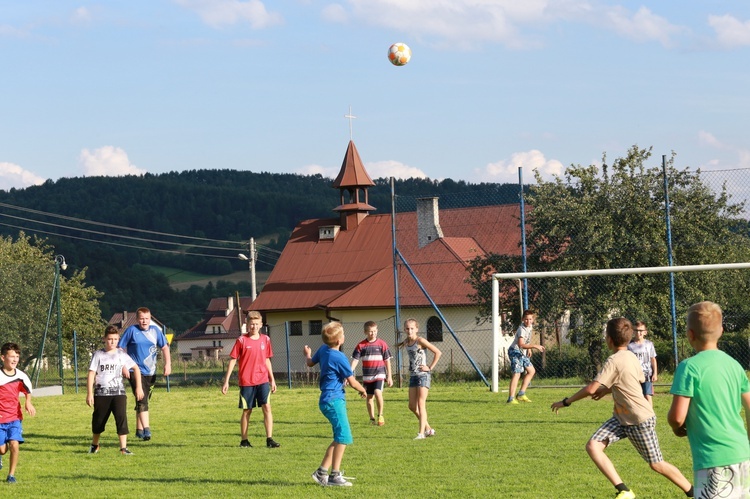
<point x="350" y="117"/>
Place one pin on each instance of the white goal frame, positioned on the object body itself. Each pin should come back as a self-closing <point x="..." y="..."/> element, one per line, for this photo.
<point x="496" y="323"/>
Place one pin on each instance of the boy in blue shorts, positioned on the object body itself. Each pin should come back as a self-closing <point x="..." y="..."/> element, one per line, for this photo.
<point x="13" y="382"/>
<point x="334" y="371"/>
<point x="519" y="354"/>
<point x="709" y="390"/>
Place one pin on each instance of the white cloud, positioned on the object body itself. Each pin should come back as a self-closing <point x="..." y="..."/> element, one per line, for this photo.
<point x="328" y="172"/>
<point x="12" y="175"/>
<point x="219" y="13"/>
<point x="107" y="161"/>
<point x="517" y="25"/>
<point x="506" y="171"/>
<point x="730" y="32"/>
<point x="81" y="15"/>
<point x="334" y="13"/>
<point x="391" y="168"/>
<point x="643" y="26"/>
<point x="376" y="169"/>
<point x="741" y="154"/>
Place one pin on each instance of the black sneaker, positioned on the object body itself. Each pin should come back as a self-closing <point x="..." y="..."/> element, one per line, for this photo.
<point x="125" y="452"/>
<point x="270" y="442"/>
<point x="94" y="449"/>
<point x="245" y="443"/>
<point x="146" y="434"/>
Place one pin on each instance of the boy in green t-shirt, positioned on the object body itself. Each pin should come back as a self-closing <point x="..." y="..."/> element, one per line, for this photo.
<point x="710" y="389"/>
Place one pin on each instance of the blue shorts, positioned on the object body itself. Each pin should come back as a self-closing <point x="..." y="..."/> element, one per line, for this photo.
<point x="335" y="412"/>
<point x="11" y="431"/>
<point x="420" y="380"/>
<point x="254" y="396"/>
<point x="518" y="361"/>
<point x="648" y="388"/>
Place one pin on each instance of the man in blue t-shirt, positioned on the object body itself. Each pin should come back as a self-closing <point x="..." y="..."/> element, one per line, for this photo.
<point x="142" y="342"/>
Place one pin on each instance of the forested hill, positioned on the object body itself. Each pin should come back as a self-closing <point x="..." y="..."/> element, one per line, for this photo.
<point x="218" y="205"/>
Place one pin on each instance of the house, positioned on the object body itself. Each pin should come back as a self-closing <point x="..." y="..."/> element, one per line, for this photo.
<point x="214" y="336"/>
<point x="342" y="268"/>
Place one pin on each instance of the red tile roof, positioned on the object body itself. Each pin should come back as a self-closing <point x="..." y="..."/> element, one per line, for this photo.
<point x="216" y="315"/>
<point x="355" y="270"/>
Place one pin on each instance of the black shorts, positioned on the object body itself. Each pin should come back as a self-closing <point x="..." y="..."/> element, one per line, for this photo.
<point x="147" y="383"/>
<point x="104" y="405"/>
<point x="372" y="386"/>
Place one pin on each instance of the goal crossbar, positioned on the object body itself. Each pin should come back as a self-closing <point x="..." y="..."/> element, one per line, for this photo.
<point x="496" y="278"/>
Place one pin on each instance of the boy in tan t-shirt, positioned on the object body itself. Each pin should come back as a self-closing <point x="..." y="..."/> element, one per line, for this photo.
<point x="633" y="417"/>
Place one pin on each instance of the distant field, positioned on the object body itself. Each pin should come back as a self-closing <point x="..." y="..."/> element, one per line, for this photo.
<point x="183" y="279"/>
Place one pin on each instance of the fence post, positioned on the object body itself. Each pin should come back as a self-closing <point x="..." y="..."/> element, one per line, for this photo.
<point x="288" y="356"/>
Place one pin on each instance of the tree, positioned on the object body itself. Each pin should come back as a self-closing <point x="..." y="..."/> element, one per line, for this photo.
<point x="27" y="273"/>
<point x="613" y="217"/>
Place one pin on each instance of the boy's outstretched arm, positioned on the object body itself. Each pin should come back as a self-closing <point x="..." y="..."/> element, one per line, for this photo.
<point x="586" y="391"/>
<point x="678" y="413"/>
<point x="357" y="386"/>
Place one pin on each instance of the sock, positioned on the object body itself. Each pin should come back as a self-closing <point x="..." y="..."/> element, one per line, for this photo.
<point x="523" y="392"/>
<point x="621" y="487"/>
<point x="690" y="492"/>
<point x="510" y="398"/>
<point x="322" y="470"/>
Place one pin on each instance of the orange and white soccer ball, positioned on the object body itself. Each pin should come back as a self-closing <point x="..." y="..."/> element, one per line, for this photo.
<point x="399" y="54"/>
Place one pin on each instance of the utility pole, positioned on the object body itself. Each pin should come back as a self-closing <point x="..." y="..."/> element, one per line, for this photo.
<point x="252" y="268"/>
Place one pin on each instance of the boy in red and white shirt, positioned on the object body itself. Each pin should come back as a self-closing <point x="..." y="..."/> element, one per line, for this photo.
<point x="13" y="382"/>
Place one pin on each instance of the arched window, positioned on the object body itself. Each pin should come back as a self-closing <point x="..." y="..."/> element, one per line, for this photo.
<point x="434" y="329"/>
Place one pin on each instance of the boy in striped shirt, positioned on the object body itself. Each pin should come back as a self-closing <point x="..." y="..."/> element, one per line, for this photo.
<point x="376" y="369"/>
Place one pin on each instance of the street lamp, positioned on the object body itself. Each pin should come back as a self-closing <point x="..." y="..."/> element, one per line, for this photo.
<point x="59" y="264"/>
<point x="251" y="263"/>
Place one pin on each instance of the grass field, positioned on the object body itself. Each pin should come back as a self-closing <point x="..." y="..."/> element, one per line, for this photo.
<point x="483" y="448"/>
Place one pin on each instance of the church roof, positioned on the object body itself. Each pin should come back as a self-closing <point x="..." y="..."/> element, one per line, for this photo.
<point x="355" y="270"/>
<point x="352" y="173"/>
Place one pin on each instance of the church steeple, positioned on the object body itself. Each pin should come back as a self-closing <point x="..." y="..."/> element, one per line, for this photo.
<point x="352" y="183"/>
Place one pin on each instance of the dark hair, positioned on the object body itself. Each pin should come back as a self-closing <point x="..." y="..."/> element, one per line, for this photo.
<point x="10" y="346"/>
<point x="370" y="324"/>
<point x="527" y="312"/>
<point x="111" y="329"/>
<point x="620" y="330"/>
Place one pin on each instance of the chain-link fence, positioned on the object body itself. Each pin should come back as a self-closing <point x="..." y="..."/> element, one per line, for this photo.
<point x="459" y="322"/>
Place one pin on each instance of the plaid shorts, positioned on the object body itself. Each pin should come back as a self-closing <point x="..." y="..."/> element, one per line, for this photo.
<point x="642" y="436"/>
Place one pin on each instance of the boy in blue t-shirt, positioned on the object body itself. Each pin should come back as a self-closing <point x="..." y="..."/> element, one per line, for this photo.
<point x="334" y="371"/>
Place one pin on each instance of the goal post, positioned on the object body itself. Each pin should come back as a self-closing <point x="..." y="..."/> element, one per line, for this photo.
<point x="496" y="278"/>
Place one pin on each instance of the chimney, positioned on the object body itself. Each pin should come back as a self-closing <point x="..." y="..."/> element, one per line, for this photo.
<point x="230" y="306"/>
<point x="428" y="221"/>
<point x="124" y="319"/>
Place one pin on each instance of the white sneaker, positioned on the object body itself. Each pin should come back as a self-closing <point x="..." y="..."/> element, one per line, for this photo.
<point x="420" y="436"/>
<point x="430" y="432"/>
<point x="336" y="479"/>
<point x="320" y="477"/>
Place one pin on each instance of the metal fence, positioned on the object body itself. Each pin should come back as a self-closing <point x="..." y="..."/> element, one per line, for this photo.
<point x="464" y="334"/>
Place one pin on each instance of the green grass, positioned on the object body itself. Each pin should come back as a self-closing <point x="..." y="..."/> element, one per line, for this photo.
<point x="483" y="448"/>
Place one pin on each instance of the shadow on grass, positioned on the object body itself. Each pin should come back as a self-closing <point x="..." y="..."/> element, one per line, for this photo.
<point x="202" y="481"/>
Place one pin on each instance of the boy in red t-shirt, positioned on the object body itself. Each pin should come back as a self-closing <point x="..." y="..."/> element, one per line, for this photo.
<point x="13" y="382"/>
<point x="255" y="377"/>
<point x="376" y="369"/>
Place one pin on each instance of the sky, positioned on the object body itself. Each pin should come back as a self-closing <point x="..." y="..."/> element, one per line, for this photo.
<point x="119" y="88"/>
